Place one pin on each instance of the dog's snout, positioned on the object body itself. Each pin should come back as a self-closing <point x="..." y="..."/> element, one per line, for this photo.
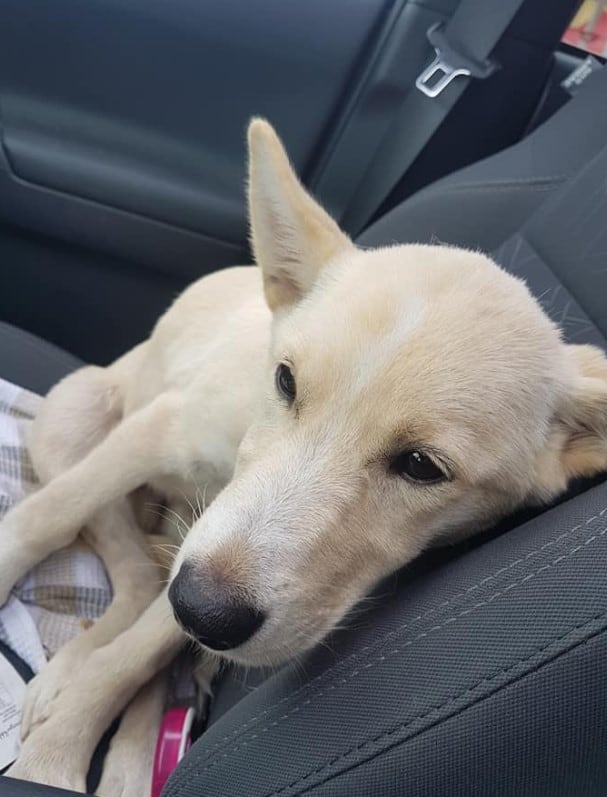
<point x="208" y="611"/>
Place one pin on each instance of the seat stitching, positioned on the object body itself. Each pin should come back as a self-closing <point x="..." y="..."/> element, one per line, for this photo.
<point x="531" y="184"/>
<point x="400" y="628"/>
<point x="524" y="182"/>
<point x="400" y="648"/>
<point x="437" y="709"/>
<point x="496" y="188"/>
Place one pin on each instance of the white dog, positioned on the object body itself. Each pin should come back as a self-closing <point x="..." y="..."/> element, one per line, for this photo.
<point x="377" y="402"/>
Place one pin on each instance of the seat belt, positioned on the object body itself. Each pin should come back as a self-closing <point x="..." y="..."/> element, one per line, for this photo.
<point x="462" y="48"/>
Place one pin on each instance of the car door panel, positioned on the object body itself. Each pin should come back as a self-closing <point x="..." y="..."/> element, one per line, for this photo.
<point x="122" y="134"/>
<point x="141" y="106"/>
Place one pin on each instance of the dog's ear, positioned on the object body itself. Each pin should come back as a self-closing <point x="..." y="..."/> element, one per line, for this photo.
<point x="292" y="236"/>
<point x="583" y="415"/>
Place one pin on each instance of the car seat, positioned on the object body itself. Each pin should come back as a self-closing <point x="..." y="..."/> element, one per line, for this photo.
<point x="480" y="669"/>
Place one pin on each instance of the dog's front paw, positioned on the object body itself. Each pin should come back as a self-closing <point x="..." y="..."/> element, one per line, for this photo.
<point x="50" y="759"/>
<point x="43" y="690"/>
<point x="127" y="771"/>
<point x="7" y="557"/>
<point x="15" y="558"/>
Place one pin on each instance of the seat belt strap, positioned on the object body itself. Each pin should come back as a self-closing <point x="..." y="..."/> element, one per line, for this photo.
<point x="462" y="48"/>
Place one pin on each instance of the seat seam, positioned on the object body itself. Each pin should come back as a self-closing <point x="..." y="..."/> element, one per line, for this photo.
<point x="380" y="659"/>
<point x="527" y="236"/>
<point x="237" y="731"/>
<point x="486" y="680"/>
<point x="525" y="182"/>
<point x="544" y="184"/>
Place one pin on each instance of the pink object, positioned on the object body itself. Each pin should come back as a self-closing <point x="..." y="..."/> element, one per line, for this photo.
<point x="174" y="741"/>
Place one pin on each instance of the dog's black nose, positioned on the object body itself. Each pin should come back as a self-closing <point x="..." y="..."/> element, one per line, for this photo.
<point x="207" y="611"/>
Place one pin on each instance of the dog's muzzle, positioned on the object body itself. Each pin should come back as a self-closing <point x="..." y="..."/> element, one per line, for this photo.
<point x="209" y="611"/>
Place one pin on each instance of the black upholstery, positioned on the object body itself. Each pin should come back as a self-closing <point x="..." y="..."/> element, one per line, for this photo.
<point x="482" y="205"/>
<point x="481" y="678"/>
<point x="570" y="233"/>
<point x="32" y="362"/>
<point x="21" y="788"/>
<point x="488" y="675"/>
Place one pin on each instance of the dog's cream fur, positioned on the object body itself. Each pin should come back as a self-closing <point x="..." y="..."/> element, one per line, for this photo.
<point x="406" y="347"/>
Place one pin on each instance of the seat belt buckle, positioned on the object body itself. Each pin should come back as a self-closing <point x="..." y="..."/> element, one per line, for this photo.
<point x="447" y="73"/>
<point x="448" y="64"/>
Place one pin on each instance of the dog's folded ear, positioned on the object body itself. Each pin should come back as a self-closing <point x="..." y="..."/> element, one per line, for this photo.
<point x="584" y="415"/>
<point x="292" y="236"/>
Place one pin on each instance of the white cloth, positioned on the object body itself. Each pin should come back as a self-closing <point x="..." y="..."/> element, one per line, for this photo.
<point x="68" y="591"/>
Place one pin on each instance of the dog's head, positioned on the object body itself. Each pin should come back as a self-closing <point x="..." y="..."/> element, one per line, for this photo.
<point x="413" y="395"/>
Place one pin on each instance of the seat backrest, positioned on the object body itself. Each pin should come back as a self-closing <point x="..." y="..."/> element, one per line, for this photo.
<point x="454" y="676"/>
<point x="569" y="234"/>
<point x="482" y="205"/>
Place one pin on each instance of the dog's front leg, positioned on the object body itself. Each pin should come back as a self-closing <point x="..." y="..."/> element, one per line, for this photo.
<point x="128" y="765"/>
<point x="58" y="752"/>
<point x="143" y="445"/>
<point x="136" y="581"/>
<point x="127" y="769"/>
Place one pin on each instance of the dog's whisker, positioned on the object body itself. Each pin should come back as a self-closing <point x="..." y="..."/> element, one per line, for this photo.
<point x="178" y="522"/>
<point x="151" y="563"/>
<point x="190" y="504"/>
<point x="204" y="498"/>
<point x="157" y="512"/>
<point x="153" y="505"/>
<point x="242" y="679"/>
<point x="166" y="547"/>
<point x="197" y="498"/>
<point x="201" y="508"/>
<point x="176" y="515"/>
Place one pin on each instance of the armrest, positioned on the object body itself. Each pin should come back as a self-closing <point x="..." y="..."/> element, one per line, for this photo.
<point x="9" y="787"/>
<point x="487" y="676"/>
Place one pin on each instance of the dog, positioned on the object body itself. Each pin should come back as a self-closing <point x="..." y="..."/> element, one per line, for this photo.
<point x="343" y="409"/>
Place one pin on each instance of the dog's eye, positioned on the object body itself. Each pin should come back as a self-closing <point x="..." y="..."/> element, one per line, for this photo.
<point x="417" y="467"/>
<point x="285" y="382"/>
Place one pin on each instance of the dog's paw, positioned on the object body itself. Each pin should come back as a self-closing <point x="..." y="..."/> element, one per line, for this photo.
<point x="46" y="759"/>
<point x="40" y="694"/>
<point x="125" y="779"/>
<point x="10" y="560"/>
<point x="43" y="690"/>
<point x="127" y="770"/>
<point x="17" y="556"/>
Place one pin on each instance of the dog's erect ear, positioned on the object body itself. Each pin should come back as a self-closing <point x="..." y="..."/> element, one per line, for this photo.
<point x="584" y="415"/>
<point x="292" y="236"/>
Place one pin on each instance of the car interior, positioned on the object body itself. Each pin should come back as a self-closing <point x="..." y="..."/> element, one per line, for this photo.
<point x="480" y="669"/>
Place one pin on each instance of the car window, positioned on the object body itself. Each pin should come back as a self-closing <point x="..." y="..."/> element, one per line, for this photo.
<point x="588" y="28"/>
